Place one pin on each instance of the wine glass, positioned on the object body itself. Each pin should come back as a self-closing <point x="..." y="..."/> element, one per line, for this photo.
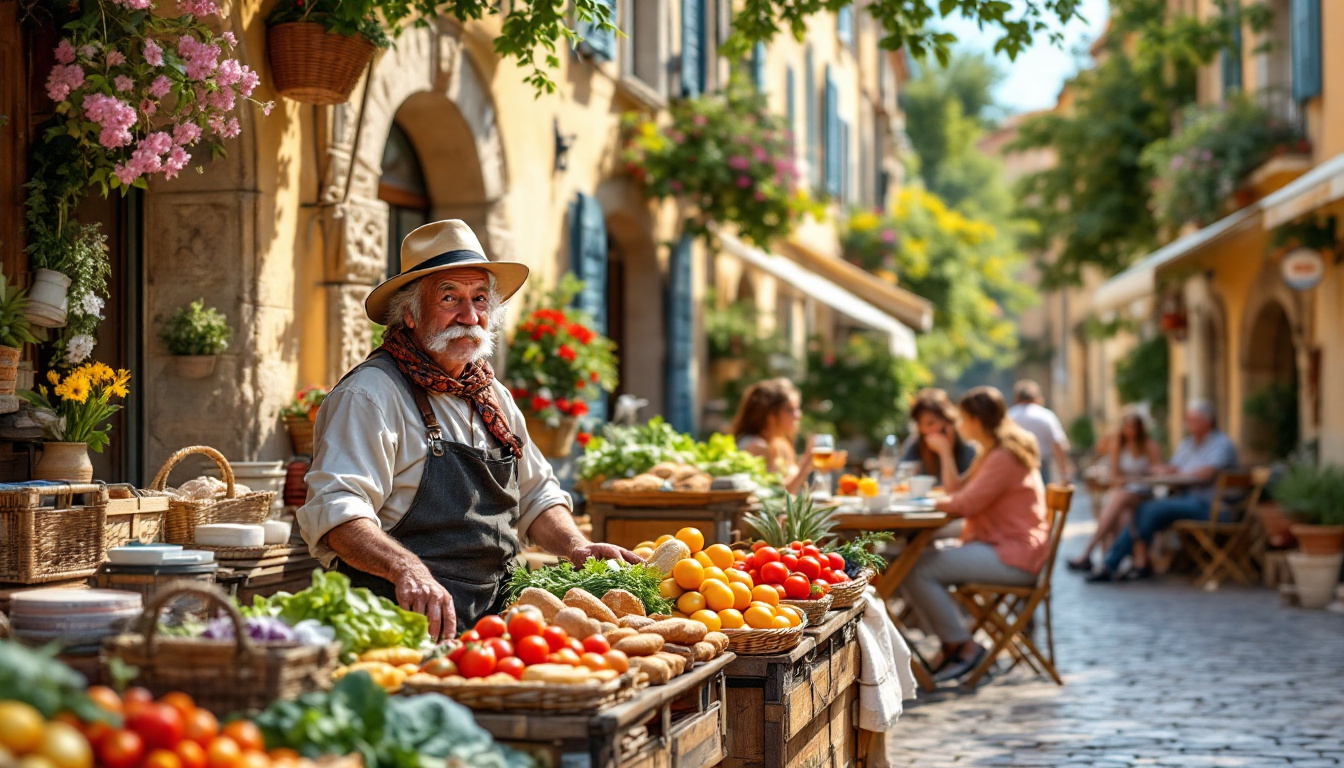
<point x="823" y="451"/>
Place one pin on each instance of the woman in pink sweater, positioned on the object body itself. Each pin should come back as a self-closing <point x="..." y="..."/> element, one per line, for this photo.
<point x="1004" y="539"/>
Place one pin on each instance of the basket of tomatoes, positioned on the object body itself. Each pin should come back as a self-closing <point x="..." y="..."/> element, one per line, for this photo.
<point x="803" y="573"/>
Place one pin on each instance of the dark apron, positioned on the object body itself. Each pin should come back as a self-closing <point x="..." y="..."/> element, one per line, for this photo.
<point x="461" y="522"/>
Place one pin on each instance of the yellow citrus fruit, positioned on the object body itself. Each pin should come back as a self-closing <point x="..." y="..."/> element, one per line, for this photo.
<point x="739" y="577"/>
<point x="758" y="604"/>
<point x="679" y="615"/>
<point x="731" y="618"/>
<point x="782" y="622"/>
<point x="759" y="618"/>
<point x="688" y="574"/>
<point x="669" y="589"/>
<point x="794" y="616"/>
<point x="691" y="602"/>
<point x="65" y="746"/>
<point x="703" y="559"/>
<point x="718" y="595"/>
<point x="739" y="555"/>
<point x="716" y="573"/>
<point x="693" y="538"/>
<point x="644" y="552"/>
<point x="659" y="541"/>
<point x="765" y="593"/>
<point x="741" y="595"/>
<point x="648" y="544"/>
<point x="721" y="555"/>
<point x="868" y="487"/>
<point x="709" y="618"/>
<point x="21" y="727"/>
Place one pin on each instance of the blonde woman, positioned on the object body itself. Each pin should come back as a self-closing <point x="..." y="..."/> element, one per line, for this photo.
<point x="766" y="425"/>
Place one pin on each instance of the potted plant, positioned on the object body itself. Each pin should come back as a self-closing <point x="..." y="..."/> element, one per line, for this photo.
<point x="556" y="364"/>
<point x="15" y="331"/>
<point x="318" y="49"/>
<point x="299" y="416"/>
<point x="1314" y="496"/>
<point x="195" y="335"/>
<point x="74" y="416"/>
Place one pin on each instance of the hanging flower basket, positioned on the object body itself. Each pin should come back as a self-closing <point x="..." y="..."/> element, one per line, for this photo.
<point x="314" y="66"/>
<point x="48" y="301"/>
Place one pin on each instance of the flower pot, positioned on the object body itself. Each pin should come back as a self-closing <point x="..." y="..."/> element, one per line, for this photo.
<point x="48" y="299"/>
<point x="195" y="366"/>
<point x="1316" y="577"/>
<point x="9" y="369"/>
<point x="727" y="369"/>
<point x="1276" y="524"/>
<point x="1243" y="196"/>
<point x="553" y="442"/>
<point x="64" y="462"/>
<point x="314" y="66"/>
<point x="300" y="434"/>
<point x="1319" y="539"/>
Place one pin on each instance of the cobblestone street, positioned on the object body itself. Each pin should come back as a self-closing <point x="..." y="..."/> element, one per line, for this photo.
<point x="1155" y="674"/>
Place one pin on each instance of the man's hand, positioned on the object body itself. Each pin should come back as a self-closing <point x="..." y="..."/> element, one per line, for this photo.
<point x="419" y="591"/>
<point x="580" y="554"/>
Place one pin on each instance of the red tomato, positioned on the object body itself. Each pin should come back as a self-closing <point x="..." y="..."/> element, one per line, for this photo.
<point x="105" y="697"/>
<point x="564" y="656"/>
<point x="779" y="590"/>
<point x="181" y="702"/>
<point x="440" y="667"/>
<point x="837" y="562"/>
<point x="596" y="644"/>
<point x="491" y="626"/>
<point x="253" y="758"/>
<point x="811" y="550"/>
<point x="511" y="666"/>
<point x="223" y="752"/>
<point x="574" y="645"/>
<point x="121" y="749"/>
<point x="766" y="555"/>
<point x="836" y="577"/>
<point x="755" y="545"/>
<point x="594" y="661"/>
<point x="556" y="637"/>
<point x="790" y="561"/>
<point x="525" y="624"/>
<point x="162" y="758"/>
<point x="202" y="727"/>
<point x="822" y="581"/>
<point x="774" y="573"/>
<point x="478" y="661"/>
<point x="797" y="587"/>
<point x="160" y="725"/>
<point x="137" y="695"/>
<point x="755" y="576"/>
<point x="796" y="546"/>
<point x="809" y="566"/>
<point x="750" y="561"/>
<point x="246" y="735"/>
<point x="191" y="754"/>
<point x="97" y="732"/>
<point x="502" y="648"/>
<point x="533" y="649"/>
<point x="470" y="636"/>
<point x="740" y="566"/>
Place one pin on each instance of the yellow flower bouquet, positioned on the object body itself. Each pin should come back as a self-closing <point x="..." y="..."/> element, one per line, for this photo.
<point x="78" y="404"/>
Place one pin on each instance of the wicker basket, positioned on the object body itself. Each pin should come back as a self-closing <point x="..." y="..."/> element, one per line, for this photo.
<point x="815" y="610"/>
<point x="529" y="696"/>
<point x="314" y="66"/>
<point x="134" y="515"/>
<point x="300" y="431"/>
<point x="183" y="515"/>
<point x="846" y="594"/>
<point x="763" y="642"/>
<point x="41" y="543"/>
<point x="223" y="676"/>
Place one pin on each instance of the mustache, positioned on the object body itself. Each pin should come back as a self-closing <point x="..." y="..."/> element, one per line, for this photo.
<point x="485" y="340"/>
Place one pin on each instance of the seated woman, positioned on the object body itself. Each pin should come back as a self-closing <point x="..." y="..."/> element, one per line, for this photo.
<point x="766" y="425"/>
<point x="1006" y="535"/>
<point x="1133" y="456"/>
<point x="938" y="447"/>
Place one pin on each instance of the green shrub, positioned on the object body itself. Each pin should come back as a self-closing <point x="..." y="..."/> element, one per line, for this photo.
<point x="1082" y="434"/>
<point x="196" y="330"/>
<point x="1312" y="494"/>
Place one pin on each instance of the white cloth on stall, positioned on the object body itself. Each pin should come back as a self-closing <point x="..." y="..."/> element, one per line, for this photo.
<point x="885" y="679"/>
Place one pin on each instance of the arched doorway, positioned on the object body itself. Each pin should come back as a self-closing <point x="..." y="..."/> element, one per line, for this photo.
<point x="1271" y="427"/>
<point x="635" y="315"/>
<point x="402" y="186"/>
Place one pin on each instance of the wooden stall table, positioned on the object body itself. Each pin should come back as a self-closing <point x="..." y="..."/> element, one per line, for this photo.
<point x="682" y="724"/>
<point x="626" y="519"/>
<point x="798" y="708"/>
<point x="917" y="524"/>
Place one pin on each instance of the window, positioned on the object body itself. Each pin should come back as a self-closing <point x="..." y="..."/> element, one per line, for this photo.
<point x="1231" y="60"/>
<point x="791" y="109"/>
<point x="844" y="25"/>
<point x="692" y="48"/>
<point x="1306" y="43"/>
<point x="834" y="148"/>
<point x="758" y="60"/>
<point x="644" y="51"/>
<point x="402" y="186"/>
<point x="810" y="115"/>
<point x="599" y="43"/>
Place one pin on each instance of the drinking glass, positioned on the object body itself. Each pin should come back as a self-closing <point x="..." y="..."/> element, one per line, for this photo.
<point x="887" y="460"/>
<point x="823" y="451"/>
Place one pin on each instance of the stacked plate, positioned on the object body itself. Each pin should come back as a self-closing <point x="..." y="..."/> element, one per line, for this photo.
<point x="158" y="554"/>
<point x="77" y="619"/>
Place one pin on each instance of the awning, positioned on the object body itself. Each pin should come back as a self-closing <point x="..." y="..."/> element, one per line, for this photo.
<point x="1314" y="189"/>
<point x="901" y="338"/>
<point x="915" y="311"/>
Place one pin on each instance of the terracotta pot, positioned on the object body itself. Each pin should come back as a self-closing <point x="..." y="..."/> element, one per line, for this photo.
<point x="9" y="369"/>
<point x="1276" y="523"/>
<point x="1243" y="197"/>
<point x="553" y="442"/>
<point x="1316" y="577"/>
<point x="195" y="366"/>
<point x="1319" y="539"/>
<point x="727" y="369"/>
<point x="64" y="462"/>
<point x="314" y="66"/>
<point x="300" y="434"/>
<point x="48" y="299"/>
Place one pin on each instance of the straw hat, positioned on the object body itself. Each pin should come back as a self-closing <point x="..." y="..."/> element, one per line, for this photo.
<point x="439" y="247"/>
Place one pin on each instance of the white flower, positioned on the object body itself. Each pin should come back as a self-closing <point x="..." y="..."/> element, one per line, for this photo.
<point x="78" y="348"/>
<point x="91" y="305"/>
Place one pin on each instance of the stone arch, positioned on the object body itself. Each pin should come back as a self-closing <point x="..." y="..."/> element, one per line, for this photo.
<point x="635" y="291"/>
<point x="1269" y="369"/>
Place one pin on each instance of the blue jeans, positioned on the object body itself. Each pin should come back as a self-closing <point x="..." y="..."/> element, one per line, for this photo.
<point x="1152" y="517"/>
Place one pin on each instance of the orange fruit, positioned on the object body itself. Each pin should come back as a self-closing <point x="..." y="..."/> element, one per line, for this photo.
<point x="691" y="602"/>
<point x="659" y="542"/>
<point x="741" y="595"/>
<point x="721" y="555"/>
<point x="782" y="622"/>
<point x="703" y="559"/>
<point x="688" y="574"/>
<point x="648" y="544"/>
<point x="760" y="618"/>
<point x="739" y="555"/>
<point x="718" y="595"/>
<point x="644" y="552"/>
<point x="739" y="577"/>
<point x="716" y="573"/>
<point x="679" y="615"/>
<point x="669" y="589"/>
<point x="764" y="593"/>
<point x="794" y="616"/>
<point x="709" y="618"/>
<point x="731" y="619"/>
<point x="693" y="538"/>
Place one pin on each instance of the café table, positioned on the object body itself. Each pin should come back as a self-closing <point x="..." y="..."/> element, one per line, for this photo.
<point x="917" y="524"/>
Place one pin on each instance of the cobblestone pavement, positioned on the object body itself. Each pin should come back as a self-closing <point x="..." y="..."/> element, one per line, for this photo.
<point x="1158" y="674"/>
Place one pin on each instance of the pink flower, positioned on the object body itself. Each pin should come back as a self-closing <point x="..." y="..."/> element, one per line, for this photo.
<point x="231" y="129"/>
<point x="65" y="52"/>
<point x="177" y="160"/>
<point x="186" y="134"/>
<point x="202" y="59"/>
<point x="738" y="163"/>
<point x="888" y="236"/>
<point x="114" y="115"/>
<point x="759" y="196"/>
<point x="153" y="53"/>
<point x="160" y="87"/>
<point x="759" y="153"/>
<point x="743" y="181"/>
<point x="675" y="185"/>
<point x="88" y="51"/>
<point x="134" y="5"/>
<point x="230" y="72"/>
<point x="230" y="39"/>
<point x="221" y="100"/>
<point x="63" y="79"/>
<point x="115" y="58"/>
<point x="198" y="8"/>
<point x="124" y="174"/>
<point x="267" y="107"/>
<point x="123" y="83"/>
<point x="700" y="121"/>
<point x="148" y="107"/>
<point x="249" y="82"/>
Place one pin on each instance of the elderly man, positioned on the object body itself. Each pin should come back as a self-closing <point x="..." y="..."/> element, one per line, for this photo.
<point x="423" y="470"/>
<point x="1203" y="454"/>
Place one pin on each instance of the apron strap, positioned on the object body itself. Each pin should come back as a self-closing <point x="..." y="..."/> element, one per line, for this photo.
<point x="432" y="427"/>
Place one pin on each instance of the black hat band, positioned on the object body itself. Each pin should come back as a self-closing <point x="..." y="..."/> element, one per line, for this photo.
<point x="449" y="258"/>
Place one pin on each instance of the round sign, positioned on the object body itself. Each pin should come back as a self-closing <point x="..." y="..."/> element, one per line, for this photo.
<point x="1303" y="269"/>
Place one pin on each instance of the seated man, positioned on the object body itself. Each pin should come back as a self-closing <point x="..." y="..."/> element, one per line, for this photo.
<point x="1202" y="454"/>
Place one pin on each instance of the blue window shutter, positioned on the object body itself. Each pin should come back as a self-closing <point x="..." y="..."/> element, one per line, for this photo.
<point x="692" y="48"/>
<point x="680" y="338"/>
<point x="588" y="258"/>
<point x="1306" y="35"/>
<point x="844" y="25"/>
<point x="810" y="115"/>
<point x="597" y="42"/>
<point x="1232" y="64"/>
<point x="758" y="65"/>
<point x="791" y="108"/>
<point x="832" y="135"/>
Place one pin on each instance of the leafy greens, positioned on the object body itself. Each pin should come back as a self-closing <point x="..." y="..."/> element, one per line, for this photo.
<point x="362" y="620"/>
<point x="628" y="451"/>
<point x="597" y="578"/>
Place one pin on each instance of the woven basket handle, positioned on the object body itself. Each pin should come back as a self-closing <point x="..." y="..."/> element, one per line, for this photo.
<point x="213" y="596"/>
<point x="161" y="479"/>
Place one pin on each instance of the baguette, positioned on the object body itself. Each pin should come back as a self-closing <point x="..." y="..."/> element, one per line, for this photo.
<point x="656" y="670"/>
<point x="623" y="603"/>
<point x="705" y="650"/>
<point x="642" y="644"/>
<point x="562" y="674"/>
<point x="548" y="604"/>
<point x="719" y="640"/>
<point x="635" y="622"/>
<point x="620" y="633"/>
<point x="679" y="650"/>
<point x="676" y="664"/>
<point x="594" y="608"/>
<point x="575" y="623"/>
<point x="680" y="631"/>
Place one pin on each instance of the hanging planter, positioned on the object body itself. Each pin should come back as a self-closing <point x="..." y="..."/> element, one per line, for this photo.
<point x="49" y="300"/>
<point x="314" y="66"/>
<point x="195" y="366"/>
<point x="195" y="336"/>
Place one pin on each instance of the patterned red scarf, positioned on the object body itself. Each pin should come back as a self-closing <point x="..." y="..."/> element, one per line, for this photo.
<point x="474" y="385"/>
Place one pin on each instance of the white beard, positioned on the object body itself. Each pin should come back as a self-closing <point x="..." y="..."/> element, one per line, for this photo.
<point x="485" y="340"/>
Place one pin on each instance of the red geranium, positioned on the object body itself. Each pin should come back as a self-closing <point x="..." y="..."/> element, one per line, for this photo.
<point x="567" y="353"/>
<point x="578" y="408"/>
<point x="539" y="403"/>
<point x="583" y="439"/>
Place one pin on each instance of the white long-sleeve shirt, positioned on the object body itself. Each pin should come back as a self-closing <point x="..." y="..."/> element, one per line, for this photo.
<point x="370" y="449"/>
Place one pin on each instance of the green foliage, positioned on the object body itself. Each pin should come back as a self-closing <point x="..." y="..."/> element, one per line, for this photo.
<point x="628" y="451"/>
<point x="15" y="330"/>
<point x="195" y="330"/>
<point x="782" y="521"/>
<point x="1082" y="433"/>
<point x="858" y="552"/>
<point x="1274" y="411"/>
<point x="597" y="578"/>
<point x="1141" y="376"/>
<point x="1317" y="233"/>
<point x="734" y="333"/>
<point x="863" y="390"/>
<point x="362" y="620"/>
<point x="37" y="679"/>
<point x="1312" y="494"/>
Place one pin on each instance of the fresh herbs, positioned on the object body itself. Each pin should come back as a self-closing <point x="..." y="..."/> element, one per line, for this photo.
<point x="857" y="554"/>
<point x="628" y="451"/>
<point x="793" y="518"/>
<point x="597" y="578"/>
<point x="362" y="620"/>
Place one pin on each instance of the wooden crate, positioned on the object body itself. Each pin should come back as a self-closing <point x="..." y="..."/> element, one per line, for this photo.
<point x="135" y="519"/>
<point x="624" y="526"/>
<point x="799" y="708"/>
<point x="679" y="725"/>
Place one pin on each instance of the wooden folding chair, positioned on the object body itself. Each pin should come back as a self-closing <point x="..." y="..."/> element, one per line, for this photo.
<point x="1004" y="612"/>
<point x="1221" y="548"/>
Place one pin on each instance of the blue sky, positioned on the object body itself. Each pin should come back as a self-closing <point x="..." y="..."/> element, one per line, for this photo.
<point x="1034" y="79"/>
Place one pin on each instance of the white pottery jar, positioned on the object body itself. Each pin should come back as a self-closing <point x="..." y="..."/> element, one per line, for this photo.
<point x="49" y="299"/>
